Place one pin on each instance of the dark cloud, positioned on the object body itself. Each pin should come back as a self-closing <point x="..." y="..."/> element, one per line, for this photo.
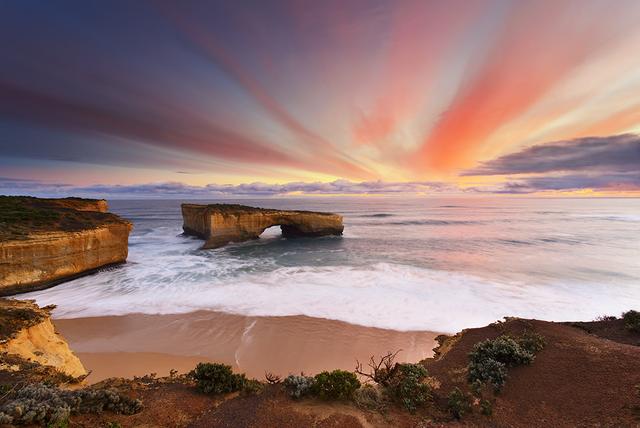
<point x="598" y="163"/>
<point x="569" y="182"/>
<point x="139" y="81"/>
<point x="56" y="112"/>
<point x="37" y="188"/>
<point x="611" y="182"/>
<point x="618" y="153"/>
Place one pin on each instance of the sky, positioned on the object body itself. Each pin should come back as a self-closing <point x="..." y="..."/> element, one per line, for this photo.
<point x="334" y="97"/>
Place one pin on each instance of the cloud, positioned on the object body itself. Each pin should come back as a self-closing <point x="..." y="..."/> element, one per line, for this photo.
<point x="611" y="182"/>
<point x="172" y="189"/>
<point x="19" y="185"/>
<point x="618" y="153"/>
<point x="521" y="67"/>
<point x="599" y="163"/>
<point x="65" y="114"/>
<point x="564" y="183"/>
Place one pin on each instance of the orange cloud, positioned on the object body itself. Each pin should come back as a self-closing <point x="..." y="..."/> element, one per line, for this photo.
<point x="539" y="44"/>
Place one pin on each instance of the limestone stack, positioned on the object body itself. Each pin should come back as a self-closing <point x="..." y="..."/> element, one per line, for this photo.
<point x="220" y="224"/>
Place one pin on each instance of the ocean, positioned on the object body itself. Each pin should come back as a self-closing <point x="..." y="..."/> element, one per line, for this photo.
<point x="403" y="264"/>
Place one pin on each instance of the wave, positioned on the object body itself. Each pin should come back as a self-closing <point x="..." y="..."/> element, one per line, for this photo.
<point x="431" y="222"/>
<point x="515" y="242"/>
<point x="611" y="217"/>
<point x="383" y="295"/>
<point x="379" y="215"/>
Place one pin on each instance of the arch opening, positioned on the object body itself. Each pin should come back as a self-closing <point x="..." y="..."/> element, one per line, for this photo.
<point x="271" y="232"/>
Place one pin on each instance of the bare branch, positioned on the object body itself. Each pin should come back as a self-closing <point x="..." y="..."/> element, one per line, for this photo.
<point x="380" y="371"/>
<point x="272" y="379"/>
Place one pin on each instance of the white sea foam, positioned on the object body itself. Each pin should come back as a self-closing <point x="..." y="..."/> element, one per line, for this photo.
<point x="383" y="295"/>
<point x="467" y="269"/>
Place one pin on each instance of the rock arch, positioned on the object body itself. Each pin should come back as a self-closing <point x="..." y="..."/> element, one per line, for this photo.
<point x="220" y="224"/>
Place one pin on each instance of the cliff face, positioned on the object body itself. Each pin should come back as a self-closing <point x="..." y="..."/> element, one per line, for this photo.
<point x="44" y="244"/>
<point x="27" y="332"/>
<point x="220" y="224"/>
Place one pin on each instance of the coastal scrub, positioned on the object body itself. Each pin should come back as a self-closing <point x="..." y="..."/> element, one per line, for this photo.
<point x="216" y="378"/>
<point x="490" y="359"/>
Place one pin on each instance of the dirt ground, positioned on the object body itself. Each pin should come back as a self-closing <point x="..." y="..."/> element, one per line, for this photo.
<point x="578" y="380"/>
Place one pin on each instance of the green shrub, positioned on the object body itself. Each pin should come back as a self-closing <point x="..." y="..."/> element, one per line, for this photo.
<point x="458" y="403"/>
<point x="367" y="397"/>
<point x="335" y="385"/>
<point x="252" y="387"/>
<point x="215" y="378"/>
<point x="532" y="342"/>
<point x="59" y="424"/>
<point x="489" y="371"/>
<point x="489" y="360"/>
<point x="298" y="386"/>
<point x="632" y="320"/>
<point x="407" y="386"/>
<point x="476" y="388"/>
<point x="486" y="408"/>
<point x="50" y="406"/>
<point x="605" y="318"/>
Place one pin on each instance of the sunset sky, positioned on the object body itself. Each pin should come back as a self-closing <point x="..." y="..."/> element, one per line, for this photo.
<point x="277" y="97"/>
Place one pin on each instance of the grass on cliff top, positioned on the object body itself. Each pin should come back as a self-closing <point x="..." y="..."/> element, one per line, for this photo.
<point x="237" y="209"/>
<point x="16" y="315"/>
<point x="22" y="215"/>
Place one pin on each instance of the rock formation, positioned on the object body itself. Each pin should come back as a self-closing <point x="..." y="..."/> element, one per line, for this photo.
<point x="220" y="224"/>
<point x="46" y="241"/>
<point x="27" y="333"/>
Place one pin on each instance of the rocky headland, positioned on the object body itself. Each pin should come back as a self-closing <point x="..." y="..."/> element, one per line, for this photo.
<point x="512" y="373"/>
<point x="26" y="332"/>
<point x="220" y="224"/>
<point x="46" y="241"/>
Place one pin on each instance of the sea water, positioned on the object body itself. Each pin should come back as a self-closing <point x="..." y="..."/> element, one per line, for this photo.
<point x="403" y="263"/>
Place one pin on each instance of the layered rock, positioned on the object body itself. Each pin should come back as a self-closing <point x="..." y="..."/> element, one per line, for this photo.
<point x="220" y="224"/>
<point x="46" y="241"/>
<point x="27" y="333"/>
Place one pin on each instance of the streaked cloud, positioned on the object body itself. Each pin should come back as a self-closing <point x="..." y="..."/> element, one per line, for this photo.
<point x="618" y="153"/>
<point x="595" y="163"/>
<point x="287" y="91"/>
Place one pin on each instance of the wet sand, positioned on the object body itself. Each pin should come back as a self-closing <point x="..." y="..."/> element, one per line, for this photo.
<point x="136" y="344"/>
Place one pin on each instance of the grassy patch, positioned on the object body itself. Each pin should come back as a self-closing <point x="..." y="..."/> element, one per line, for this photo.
<point x="22" y="215"/>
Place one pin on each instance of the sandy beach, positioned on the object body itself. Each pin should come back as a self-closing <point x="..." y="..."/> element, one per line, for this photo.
<point x="137" y="344"/>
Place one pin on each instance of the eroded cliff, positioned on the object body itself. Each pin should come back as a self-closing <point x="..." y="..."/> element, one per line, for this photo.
<point x="220" y="224"/>
<point x="26" y="332"/>
<point x="46" y="241"/>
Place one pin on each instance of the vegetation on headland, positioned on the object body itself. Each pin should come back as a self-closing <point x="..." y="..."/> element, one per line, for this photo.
<point x="242" y="209"/>
<point x="17" y="315"/>
<point x="21" y="216"/>
<point x="490" y="359"/>
<point x="45" y="404"/>
<point x="632" y="321"/>
<point x="623" y="329"/>
<point x="480" y="376"/>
